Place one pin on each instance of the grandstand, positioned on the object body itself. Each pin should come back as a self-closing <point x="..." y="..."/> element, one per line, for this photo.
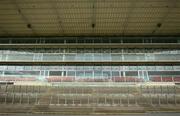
<point x="89" y="56"/>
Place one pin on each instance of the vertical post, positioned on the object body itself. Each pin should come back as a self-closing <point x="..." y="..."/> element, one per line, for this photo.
<point x="159" y="102"/>
<point x="161" y="90"/>
<point x="13" y="98"/>
<point x="28" y="99"/>
<point x="73" y="100"/>
<point x="38" y="89"/>
<point x="51" y="100"/>
<point x="80" y="102"/>
<point x="65" y="102"/>
<point x="13" y="89"/>
<point x="58" y="99"/>
<point x="147" y="87"/>
<point x="20" y="89"/>
<point x="127" y="99"/>
<point x="167" y="99"/>
<point x="141" y="89"/>
<point x="6" y="87"/>
<point x="175" y="99"/>
<point x="151" y="99"/>
<point x="120" y="101"/>
<point x="33" y="89"/>
<point x="97" y="100"/>
<point x="5" y="100"/>
<point x="167" y="89"/>
<point x="20" y="100"/>
<point x="172" y="79"/>
<point x="113" y="100"/>
<point x="88" y="99"/>
<point x="26" y="88"/>
<point x="128" y="95"/>
<point x="136" y="103"/>
<point x="36" y="99"/>
<point x="175" y="95"/>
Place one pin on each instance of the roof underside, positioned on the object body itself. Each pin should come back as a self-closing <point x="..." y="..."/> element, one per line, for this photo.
<point x="89" y="17"/>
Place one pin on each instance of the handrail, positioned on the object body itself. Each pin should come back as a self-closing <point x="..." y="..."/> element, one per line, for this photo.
<point x="128" y="63"/>
<point x="95" y="45"/>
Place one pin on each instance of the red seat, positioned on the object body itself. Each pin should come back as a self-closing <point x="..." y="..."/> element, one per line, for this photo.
<point x="177" y="79"/>
<point x="118" y="79"/>
<point x="167" y="79"/>
<point x="60" y="79"/>
<point x="155" y="79"/>
<point x="127" y="79"/>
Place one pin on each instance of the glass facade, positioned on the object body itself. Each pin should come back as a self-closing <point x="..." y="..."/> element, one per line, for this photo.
<point x="98" y="69"/>
<point x="91" y="73"/>
<point x="94" y="54"/>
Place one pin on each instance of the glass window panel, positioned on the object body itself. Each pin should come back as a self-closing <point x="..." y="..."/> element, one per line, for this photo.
<point x="88" y="57"/>
<point x="80" y="74"/>
<point x="131" y="73"/>
<point x="20" y="57"/>
<point x="80" y="68"/>
<point x="106" y="68"/>
<point x="51" y="57"/>
<point x="70" y="57"/>
<point x="115" y="74"/>
<point x="89" y="41"/>
<point x="21" y="72"/>
<point x="80" y="57"/>
<point x="130" y="57"/>
<point x="166" y="73"/>
<point x="89" y="74"/>
<point x="116" y="57"/>
<point x="97" y="57"/>
<point x="115" y="68"/>
<point x="97" y="73"/>
<point x="151" y="68"/>
<point x="106" y="74"/>
<point x="71" y="73"/>
<point x="88" y="67"/>
<point x="97" y="67"/>
<point x="55" y="73"/>
<point x="106" y="57"/>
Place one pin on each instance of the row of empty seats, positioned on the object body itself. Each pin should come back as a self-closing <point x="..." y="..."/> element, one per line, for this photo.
<point x="69" y="95"/>
<point x="89" y="57"/>
<point x="81" y="79"/>
<point x="105" y="79"/>
<point x="165" y="79"/>
<point x="15" y="78"/>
